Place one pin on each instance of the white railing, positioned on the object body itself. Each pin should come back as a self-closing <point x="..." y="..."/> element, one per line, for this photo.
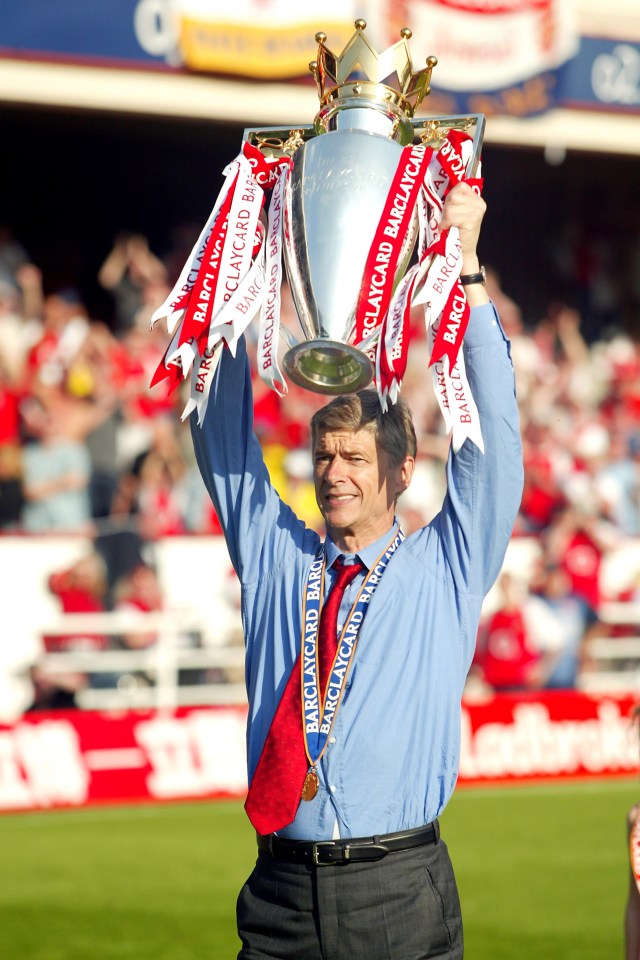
<point x="620" y="613"/>
<point x="161" y="662"/>
<point x="615" y="660"/>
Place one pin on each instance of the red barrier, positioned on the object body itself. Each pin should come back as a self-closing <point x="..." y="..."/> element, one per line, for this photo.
<point x="70" y="759"/>
<point x="560" y="734"/>
<point x="75" y="758"/>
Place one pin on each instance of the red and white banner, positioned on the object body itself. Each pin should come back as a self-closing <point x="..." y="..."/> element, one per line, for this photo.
<point x="489" y="44"/>
<point x="559" y="734"/>
<point x="76" y="758"/>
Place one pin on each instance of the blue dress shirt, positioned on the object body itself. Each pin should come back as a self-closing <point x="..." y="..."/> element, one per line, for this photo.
<point x="392" y="760"/>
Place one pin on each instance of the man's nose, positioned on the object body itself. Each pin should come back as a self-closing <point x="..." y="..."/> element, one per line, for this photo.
<point x="335" y="469"/>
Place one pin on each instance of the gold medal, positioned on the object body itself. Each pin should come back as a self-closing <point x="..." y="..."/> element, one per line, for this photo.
<point x="310" y="785"/>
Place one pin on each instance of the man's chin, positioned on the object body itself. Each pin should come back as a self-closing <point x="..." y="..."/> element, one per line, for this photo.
<point x="338" y="520"/>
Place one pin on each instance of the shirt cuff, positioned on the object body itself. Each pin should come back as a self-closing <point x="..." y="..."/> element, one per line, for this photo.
<point x="484" y="327"/>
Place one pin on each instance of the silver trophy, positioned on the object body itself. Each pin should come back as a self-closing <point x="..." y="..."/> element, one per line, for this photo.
<point x="343" y="167"/>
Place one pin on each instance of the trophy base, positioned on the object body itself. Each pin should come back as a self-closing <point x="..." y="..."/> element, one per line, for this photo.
<point x="328" y="366"/>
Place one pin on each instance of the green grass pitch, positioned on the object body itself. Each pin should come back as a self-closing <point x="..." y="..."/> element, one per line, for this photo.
<point x="542" y="873"/>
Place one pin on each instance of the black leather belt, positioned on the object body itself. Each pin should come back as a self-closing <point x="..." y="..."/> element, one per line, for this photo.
<point x="356" y="850"/>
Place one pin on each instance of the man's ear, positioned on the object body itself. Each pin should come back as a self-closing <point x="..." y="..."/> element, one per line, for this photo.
<point x="406" y="472"/>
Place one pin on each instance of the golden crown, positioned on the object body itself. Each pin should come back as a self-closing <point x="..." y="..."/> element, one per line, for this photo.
<point x="360" y="71"/>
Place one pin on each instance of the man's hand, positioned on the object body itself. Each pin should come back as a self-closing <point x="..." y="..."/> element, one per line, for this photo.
<point x="465" y="209"/>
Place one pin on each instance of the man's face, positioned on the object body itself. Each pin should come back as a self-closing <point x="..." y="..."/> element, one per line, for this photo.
<point x="356" y="487"/>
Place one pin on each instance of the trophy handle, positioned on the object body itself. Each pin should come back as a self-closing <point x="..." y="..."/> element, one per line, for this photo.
<point x="286" y="141"/>
<point x="433" y="130"/>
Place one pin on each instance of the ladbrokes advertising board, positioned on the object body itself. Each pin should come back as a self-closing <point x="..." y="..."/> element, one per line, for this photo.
<point x="78" y="758"/>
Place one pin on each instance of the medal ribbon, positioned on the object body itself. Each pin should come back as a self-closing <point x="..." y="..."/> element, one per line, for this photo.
<point x="318" y="718"/>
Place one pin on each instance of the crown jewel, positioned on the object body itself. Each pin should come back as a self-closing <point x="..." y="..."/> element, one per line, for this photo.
<point x="362" y="71"/>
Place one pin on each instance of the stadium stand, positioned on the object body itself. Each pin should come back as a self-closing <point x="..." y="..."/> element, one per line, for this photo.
<point x="93" y="463"/>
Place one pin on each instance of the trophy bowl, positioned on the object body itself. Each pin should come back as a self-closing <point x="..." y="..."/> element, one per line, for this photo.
<point x="334" y="199"/>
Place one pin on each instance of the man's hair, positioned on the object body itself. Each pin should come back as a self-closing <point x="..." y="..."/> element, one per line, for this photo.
<point x="394" y="430"/>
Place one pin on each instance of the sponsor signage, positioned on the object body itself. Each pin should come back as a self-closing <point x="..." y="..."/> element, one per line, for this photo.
<point x="561" y="734"/>
<point x="497" y="57"/>
<point x="258" y="38"/>
<point x="76" y="758"/>
<point x="508" y="51"/>
<point x="605" y="74"/>
<point x="121" y="31"/>
<point x="251" y="38"/>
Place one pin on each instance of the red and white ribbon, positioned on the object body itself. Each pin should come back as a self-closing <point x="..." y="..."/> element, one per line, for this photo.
<point x="393" y="349"/>
<point x="238" y="287"/>
<point x="235" y="272"/>
<point x="382" y="261"/>
<point x="268" y="367"/>
<point x="175" y="305"/>
<point x="227" y="326"/>
<point x="438" y="288"/>
<point x="421" y="183"/>
<point x="221" y="287"/>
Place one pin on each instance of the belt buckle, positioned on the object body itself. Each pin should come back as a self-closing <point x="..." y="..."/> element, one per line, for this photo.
<point x="315" y="853"/>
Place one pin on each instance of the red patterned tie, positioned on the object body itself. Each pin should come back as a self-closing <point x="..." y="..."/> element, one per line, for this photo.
<point x="276" y="787"/>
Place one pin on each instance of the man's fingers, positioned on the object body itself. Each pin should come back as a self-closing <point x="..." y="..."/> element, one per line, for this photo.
<point x="463" y="208"/>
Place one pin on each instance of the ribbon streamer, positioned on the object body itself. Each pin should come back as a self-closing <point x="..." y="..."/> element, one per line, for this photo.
<point x="221" y="286"/>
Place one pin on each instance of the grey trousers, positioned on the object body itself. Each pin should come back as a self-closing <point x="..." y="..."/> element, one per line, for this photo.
<point x="404" y="907"/>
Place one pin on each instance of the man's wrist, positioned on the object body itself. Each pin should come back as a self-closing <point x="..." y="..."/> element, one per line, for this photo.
<point x="470" y="264"/>
<point x="468" y="279"/>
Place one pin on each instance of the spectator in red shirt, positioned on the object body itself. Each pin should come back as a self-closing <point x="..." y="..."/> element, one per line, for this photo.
<point x="506" y="657"/>
<point x="577" y="542"/>
<point x="79" y="589"/>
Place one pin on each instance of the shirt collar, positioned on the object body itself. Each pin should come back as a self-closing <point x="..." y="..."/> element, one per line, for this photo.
<point x="368" y="555"/>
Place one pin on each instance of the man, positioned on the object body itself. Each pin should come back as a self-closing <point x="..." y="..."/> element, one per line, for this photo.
<point x="350" y="863"/>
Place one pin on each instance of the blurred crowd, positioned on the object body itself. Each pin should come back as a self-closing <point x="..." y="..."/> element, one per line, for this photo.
<point x="87" y="447"/>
